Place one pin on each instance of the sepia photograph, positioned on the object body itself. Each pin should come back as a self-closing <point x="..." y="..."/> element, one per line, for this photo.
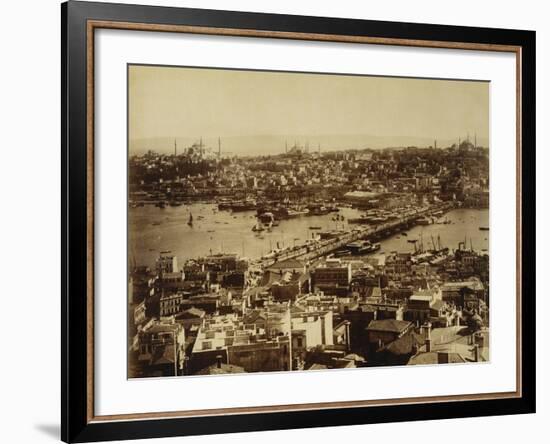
<point x="300" y="221"/>
<point x="276" y="220"/>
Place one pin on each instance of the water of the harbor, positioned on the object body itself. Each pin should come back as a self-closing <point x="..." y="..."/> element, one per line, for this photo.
<point x="152" y="229"/>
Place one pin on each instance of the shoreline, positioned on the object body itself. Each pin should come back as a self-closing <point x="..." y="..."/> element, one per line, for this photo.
<point x="231" y="233"/>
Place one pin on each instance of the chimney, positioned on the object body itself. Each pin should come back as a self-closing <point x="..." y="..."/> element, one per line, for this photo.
<point x="427" y="330"/>
<point x="428" y="345"/>
<point x="348" y="339"/>
<point x="219" y="361"/>
<point x="476" y="353"/>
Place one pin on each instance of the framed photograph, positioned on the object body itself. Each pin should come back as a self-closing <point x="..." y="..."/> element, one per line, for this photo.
<point x="275" y="221"/>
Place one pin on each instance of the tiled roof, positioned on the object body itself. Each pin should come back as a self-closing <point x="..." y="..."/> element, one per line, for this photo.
<point x="405" y="344"/>
<point x="388" y="325"/>
<point x="288" y="263"/>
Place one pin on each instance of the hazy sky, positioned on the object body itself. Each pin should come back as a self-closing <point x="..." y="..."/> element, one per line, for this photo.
<point x="169" y="102"/>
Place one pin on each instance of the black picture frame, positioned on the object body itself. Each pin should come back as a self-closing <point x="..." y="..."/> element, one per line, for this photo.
<point x="76" y="424"/>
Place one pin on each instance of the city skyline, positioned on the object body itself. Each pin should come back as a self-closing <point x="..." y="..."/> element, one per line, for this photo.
<point x="262" y="145"/>
<point x="256" y="112"/>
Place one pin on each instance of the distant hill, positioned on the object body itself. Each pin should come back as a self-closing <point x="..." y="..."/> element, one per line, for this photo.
<point x="275" y="144"/>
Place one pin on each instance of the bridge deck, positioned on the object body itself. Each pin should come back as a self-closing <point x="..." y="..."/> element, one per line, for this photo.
<point x="327" y="246"/>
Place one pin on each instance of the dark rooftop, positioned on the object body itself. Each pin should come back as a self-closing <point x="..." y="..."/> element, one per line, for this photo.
<point x="388" y="325"/>
<point x="288" y="263"/>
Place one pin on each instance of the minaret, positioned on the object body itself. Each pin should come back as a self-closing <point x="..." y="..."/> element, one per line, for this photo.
<point x="175" y="147"/>
<point x="219" y="148"/>
<point x="475" y="140"/>
<point x="435" y="143"/>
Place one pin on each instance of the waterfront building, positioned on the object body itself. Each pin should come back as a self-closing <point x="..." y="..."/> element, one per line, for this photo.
<point x="166" y="263"/>
<point x="221" y="262"/>
<point x="332" y="277"/>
